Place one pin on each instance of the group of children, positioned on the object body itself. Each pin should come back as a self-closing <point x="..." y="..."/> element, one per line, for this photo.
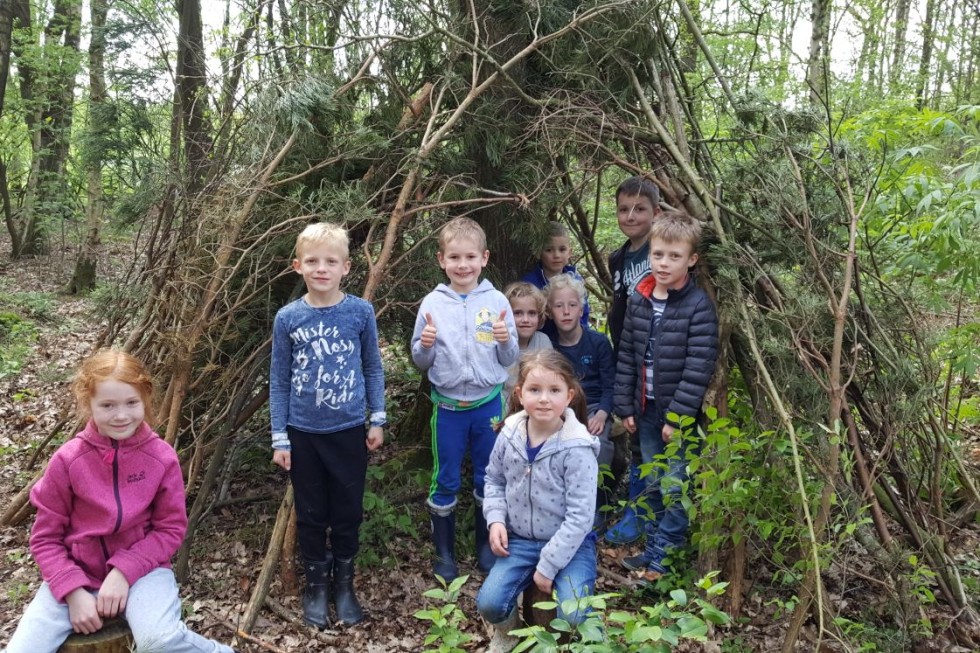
<point x="536" y="469"/>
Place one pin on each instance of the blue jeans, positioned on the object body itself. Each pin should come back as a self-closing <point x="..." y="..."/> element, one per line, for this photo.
<point x="667" y="480"/>
<point x="152" y="611"/>
<point x="513" y="574"/>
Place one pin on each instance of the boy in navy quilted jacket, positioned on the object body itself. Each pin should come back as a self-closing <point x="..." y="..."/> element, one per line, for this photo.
<point x="667" y="354"/>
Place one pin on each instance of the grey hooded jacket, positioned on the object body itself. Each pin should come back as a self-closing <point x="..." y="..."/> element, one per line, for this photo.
<point x="465" y="363"/>
<point x="551" y="499"/>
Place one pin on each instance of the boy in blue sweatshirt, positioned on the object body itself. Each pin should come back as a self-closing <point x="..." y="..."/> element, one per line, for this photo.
<point x="325" y="376"/>
<point x="465" y="339"/>
<point x="591" y="356"/>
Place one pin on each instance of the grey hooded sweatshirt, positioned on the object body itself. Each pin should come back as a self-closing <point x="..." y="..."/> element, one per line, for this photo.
<point x="551" y="499"/>
<point x="465" y="363"/>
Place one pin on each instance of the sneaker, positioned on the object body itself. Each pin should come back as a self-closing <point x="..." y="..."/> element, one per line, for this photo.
<point x="636" y="563"/>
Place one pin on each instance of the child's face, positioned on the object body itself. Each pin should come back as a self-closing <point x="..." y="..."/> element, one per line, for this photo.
<point x="117" y="409"/>
<point x="545" y="396"/>
<point x="527" y="317"/>
<point x="463" y="261"/>
<point x="669" y="262"/>
<point x="566" y="310"/>
<point x="556" y="255"/>
<point x="635" y="214"/>
<point x="323" y="266"/>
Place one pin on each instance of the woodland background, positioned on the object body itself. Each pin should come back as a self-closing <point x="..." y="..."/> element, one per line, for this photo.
<point x="155" y="168"/>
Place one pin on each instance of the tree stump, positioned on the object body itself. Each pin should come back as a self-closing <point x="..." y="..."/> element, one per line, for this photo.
<point x="535" y="616"/>
<point x="114" y="637"/>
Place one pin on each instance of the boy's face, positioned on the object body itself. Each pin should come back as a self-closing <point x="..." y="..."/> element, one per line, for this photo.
<point x="463" y="261"/>
<point x="527" y="317"/>
<point x="566" y="310"/>
<point x="635" y="214"/>
<point x="670" y="262"/>
<point x="323" y="266"/>
<point x="556" y="255"/>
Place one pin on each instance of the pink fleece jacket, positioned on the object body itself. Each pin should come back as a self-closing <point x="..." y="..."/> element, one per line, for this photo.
<point x="105" y="504"/>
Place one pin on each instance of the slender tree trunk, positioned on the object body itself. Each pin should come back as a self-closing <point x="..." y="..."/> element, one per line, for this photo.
<point x="48" y="189"/>
<point x="191" y="96"/>
<point x="817" y="63"/>
<point x="85" y="265"/>
<point x="898" y="47"/>
<point x="11" y="12"/>
<point x="925" y="61"/>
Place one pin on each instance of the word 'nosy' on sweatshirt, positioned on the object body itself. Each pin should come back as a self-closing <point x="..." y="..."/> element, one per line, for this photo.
<point x="326" y="368"/>
<point x="465" y="363"/>
<point x="551" y="499"/>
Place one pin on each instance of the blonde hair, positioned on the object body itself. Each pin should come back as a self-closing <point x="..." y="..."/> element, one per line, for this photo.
<point x="673" y="226"/>
<point x="565" y="281"/>
<point x="523" y="289"/>
<point x="112" y="364"/>
<point x="458" y="228"/>
<point x="551" y="361"/>
<point x="325" y="233"/>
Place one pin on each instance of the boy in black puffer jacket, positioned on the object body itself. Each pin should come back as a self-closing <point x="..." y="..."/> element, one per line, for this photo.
<point x="667" y="354"/>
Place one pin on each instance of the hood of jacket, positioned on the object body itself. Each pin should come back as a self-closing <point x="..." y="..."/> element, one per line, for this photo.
<point x="572" y="434"/>
<point x="649" y="282"/>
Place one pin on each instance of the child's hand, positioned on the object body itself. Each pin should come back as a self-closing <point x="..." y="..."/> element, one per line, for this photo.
<point x="282" y="458"/>
<point x="667" y="433"/>
<point x="428" y="337"/>
<point x="500" y="332"/>
<point x="498" y="539"/>
<point x="375" y="437"/>
<point x="629" y="424"/>
<point x="112" y="595"/>
<point x="542" y="583"/>
<point x="597" y="423"/>
<point x="82" y="612"/>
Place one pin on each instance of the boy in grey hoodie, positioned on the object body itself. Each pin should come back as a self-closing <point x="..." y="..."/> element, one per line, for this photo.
<point x="465" y="339"/>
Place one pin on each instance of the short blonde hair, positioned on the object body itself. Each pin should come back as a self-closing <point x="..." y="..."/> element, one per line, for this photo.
<point x="523" y="289"/>
<point x="566" y="281"/>
<point x="325" y="233"/>
<point x="673" y="226"/>
<point x="458" y="228"/>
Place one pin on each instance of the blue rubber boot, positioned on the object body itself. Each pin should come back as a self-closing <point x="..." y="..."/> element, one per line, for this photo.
<point x="630" y="527"/>
<point x="444" y="539"/>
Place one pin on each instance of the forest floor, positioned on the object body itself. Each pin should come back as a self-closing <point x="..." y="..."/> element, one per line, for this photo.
<point x="229" y="550"/>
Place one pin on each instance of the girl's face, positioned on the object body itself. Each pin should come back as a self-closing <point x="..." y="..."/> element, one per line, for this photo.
<point x="117" y="409"/>
<point x="545" y="396"/>
<point x="527" y="317"/>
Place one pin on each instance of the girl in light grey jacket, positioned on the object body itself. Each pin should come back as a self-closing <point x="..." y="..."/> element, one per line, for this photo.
<point x="539" y="497"/>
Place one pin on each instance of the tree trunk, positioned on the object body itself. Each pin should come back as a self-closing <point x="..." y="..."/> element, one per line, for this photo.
<point x="190" y="97"/>
<point x="817" y="67"/>
<point x="48" y="188"/>
<point x="925" y="61"/>
<point x="898" y="48"/>
<point x="85" y="269"/>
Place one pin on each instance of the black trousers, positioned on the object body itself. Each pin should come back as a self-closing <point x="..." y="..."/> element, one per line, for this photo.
<point x="328" y="471"/>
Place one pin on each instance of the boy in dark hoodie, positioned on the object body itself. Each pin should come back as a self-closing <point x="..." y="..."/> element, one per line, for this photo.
<point x="667" y="353"/>
<point x="465" y="339"/>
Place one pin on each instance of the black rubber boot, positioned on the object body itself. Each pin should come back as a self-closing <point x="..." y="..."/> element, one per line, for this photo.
<point x="316" y="596"/>
<point x="349" y="610"/>
<point x="444" y="539"/>
<point x="484" y="556"/>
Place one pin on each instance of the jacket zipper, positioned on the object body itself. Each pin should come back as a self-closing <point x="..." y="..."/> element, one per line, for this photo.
<point x="115" y="487"/>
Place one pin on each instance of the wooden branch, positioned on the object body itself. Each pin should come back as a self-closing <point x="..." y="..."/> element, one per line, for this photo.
<point x="269" y="563"/>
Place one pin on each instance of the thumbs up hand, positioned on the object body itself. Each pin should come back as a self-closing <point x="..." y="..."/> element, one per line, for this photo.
<point x="428" y="337"/>
<point x="500" y="332"/>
